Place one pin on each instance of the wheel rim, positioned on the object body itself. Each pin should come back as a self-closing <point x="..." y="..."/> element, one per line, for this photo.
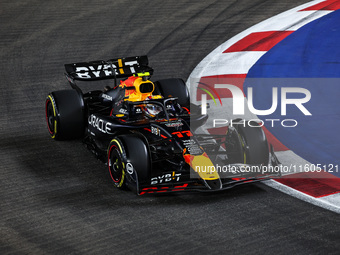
<point x="116" y="165"/>
<point x="50" y="117"/>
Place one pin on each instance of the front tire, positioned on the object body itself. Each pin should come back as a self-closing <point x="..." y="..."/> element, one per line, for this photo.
<point x="117" y="163"/>
<point x="254" y="143"/>
<point x="129" y="161"/>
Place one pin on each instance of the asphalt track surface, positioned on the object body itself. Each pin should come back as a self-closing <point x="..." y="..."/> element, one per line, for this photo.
<point x="56" y="198"/>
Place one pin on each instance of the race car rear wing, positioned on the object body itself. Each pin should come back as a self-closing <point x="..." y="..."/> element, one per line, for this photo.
<point x="113" y="68"/>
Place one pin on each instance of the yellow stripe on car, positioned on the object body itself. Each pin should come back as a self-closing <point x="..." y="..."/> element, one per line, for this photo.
<point x="120" y="64"/>
<point x="55" y="115"/>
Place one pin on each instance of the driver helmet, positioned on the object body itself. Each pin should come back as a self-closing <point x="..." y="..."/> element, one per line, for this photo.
<point x="152" y="110"/>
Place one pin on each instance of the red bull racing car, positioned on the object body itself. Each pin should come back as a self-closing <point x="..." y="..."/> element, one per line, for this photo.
<point x="146" y="131"/>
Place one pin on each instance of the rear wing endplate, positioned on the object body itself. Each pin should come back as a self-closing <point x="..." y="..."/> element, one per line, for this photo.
<point x="113" y="68"/>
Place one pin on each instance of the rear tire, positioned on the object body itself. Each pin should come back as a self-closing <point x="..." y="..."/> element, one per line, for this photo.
<point x="65" y="114"/>
<point x="174" y="87"/>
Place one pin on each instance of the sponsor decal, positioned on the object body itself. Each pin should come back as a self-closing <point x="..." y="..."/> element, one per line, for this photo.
<point x="122" y="110"/>
<point x="192" y="147"/>
<point x="100" y="124"/>
<point x="155" y="131"/>
<point x="164" y="178"/>
<point x="97" y="71"/>
<point x="107" y="97"/>
<point x="138" y="110"/>
<point x="129" y="168"/>
<point x="174" y="124"/>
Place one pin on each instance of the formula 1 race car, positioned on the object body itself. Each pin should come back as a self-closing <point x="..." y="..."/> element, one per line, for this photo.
<point x="145" y="131"/>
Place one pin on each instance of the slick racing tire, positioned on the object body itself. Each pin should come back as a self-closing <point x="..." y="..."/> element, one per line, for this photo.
<point x="174" y="87"/>
<point x="254" y="143"/>
<point x="65" y="114"/>
<point x="129" y="161"/>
